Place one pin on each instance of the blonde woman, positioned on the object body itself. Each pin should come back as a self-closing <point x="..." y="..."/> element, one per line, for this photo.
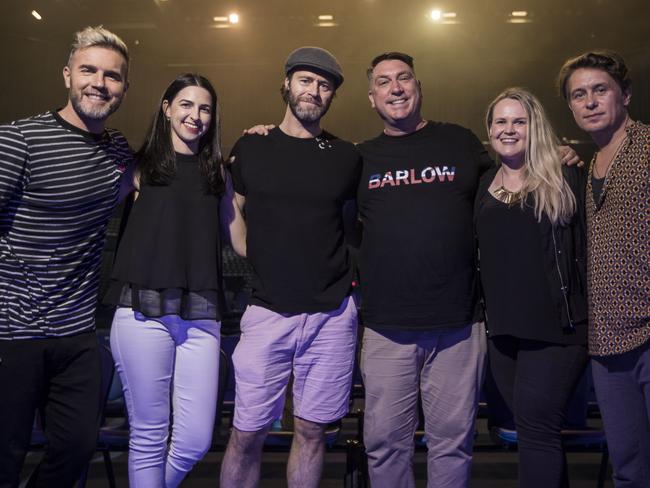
<point x="530" y="228"/>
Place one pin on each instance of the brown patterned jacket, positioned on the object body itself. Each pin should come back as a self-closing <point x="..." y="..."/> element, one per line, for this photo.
<point x="618" y="249"/>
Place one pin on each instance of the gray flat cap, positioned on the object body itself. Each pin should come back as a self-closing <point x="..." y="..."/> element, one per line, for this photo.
<point x="315" y="58"/>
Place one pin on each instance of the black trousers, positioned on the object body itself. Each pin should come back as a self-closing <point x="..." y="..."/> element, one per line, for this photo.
<point x="61" y="378"/>
<point x="536" y="380"/>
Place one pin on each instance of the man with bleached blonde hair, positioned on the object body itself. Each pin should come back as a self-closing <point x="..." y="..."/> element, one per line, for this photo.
<point x="60" y="178"/>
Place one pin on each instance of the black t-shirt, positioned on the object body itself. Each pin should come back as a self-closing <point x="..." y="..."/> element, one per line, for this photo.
<point x="416" y="198"/>
<point x="295" y="190"/>
<point x="519" y="302"/>
<point x="597" y="185"/>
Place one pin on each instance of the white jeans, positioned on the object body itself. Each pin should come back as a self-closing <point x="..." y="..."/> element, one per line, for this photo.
<point x="155" y="358"/>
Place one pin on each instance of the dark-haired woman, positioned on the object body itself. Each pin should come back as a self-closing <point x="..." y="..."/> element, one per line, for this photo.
<point x="530" y="228"/>
<point x="165" y="335"/>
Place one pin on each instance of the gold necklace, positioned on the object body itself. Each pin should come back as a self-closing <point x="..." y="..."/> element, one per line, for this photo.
<point x="506" y="196"/>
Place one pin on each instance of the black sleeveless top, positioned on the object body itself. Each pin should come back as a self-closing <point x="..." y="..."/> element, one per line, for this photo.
<point x="169" y="259"/>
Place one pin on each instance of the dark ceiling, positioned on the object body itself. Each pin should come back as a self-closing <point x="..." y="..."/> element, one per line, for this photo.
<point x="461" y="64"/>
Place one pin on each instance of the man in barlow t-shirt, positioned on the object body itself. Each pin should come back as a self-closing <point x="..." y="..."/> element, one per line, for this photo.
<point x="301" y="320"/>
<point x="424" y="332"/>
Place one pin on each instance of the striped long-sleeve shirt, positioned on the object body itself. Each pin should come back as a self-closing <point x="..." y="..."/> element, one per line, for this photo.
<point x="58" y="188"/>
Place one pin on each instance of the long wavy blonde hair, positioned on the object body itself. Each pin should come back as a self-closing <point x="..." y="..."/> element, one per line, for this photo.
<point x="543" y="165"/>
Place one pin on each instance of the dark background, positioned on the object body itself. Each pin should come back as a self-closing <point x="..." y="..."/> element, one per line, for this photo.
<point x="462" y="64"/>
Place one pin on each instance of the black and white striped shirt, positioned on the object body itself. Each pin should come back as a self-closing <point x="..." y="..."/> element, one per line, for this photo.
<point x="58" y="188"/>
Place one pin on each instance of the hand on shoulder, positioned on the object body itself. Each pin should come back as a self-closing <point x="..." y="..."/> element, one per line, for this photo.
<point x="570" y="156"/>
<point x="260" y="129"/>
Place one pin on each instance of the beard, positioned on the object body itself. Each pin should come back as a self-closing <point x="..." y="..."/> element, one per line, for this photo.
<point x="94" y="112"/>
<point x="309" y="112"/>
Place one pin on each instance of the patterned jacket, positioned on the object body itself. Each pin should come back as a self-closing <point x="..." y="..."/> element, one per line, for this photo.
<point x="618" y="250"/>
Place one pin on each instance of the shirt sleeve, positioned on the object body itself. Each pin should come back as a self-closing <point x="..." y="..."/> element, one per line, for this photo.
<point x="13" y="164"/>
<point x="355" y="173"/>
<point x="236" y="169"/>
<point x="125" y="153"/>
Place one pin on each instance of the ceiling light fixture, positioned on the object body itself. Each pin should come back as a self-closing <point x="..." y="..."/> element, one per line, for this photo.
<point x="233" y="18"/>
<point x="325" y="20"/>
<point x="435" y="15"/>
<point x="36" y="15"/>
<point x="519" y="17"/>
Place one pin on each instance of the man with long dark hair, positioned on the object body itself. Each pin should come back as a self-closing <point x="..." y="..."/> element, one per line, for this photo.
<point x="301" y="320"/>
<point x="60" y="178"/>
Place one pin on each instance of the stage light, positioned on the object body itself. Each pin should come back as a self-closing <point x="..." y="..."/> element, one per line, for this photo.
<point x="225" y="21"/>
<point x="36" y="15"/>
<point x="440" y="17"/>
<point x="325" y="20"/>
<point x="519" y="17"/>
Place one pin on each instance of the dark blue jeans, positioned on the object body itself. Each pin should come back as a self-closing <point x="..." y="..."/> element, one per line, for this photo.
<point x="622" y="385"/>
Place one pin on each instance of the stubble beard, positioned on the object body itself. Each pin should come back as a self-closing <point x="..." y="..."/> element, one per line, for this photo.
<point x="93" y="112"/>
<point x="310" y="113"/>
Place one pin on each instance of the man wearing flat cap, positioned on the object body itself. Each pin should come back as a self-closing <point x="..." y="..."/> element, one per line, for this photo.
<point x="293" y="186"/>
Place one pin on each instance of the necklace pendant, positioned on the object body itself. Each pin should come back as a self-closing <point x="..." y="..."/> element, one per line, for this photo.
<point x="506" y="196"/>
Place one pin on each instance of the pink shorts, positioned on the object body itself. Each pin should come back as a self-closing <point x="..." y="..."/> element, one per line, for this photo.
<point x="318" y="348"/>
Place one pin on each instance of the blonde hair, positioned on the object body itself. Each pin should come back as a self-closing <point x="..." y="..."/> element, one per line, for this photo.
<point x="543" y="166"/>
<point x="98" y="37"/>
